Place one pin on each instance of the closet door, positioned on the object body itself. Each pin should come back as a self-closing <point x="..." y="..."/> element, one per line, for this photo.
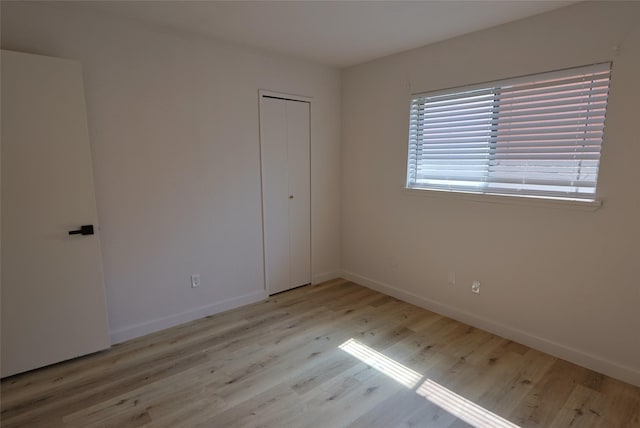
<point x="285" y="151"/>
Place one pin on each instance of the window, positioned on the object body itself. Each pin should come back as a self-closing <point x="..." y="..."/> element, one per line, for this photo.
<point x="537" y="136"/>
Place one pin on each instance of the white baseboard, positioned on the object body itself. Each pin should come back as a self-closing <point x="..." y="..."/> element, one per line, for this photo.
<point x="322" y="277"/>
<point x="137" y="330"/>
<point x="576" y="356"/>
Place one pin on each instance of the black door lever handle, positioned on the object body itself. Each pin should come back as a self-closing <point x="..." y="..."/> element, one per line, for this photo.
<point x="84" y="230"/>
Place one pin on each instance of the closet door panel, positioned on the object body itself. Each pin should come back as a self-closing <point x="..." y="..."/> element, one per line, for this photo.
<point x="299" y="189"/>
<point x="275" y="193"/>
<point x="286" y="192"/>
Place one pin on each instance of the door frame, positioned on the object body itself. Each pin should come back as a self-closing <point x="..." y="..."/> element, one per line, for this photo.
<point x="262" y="93"/>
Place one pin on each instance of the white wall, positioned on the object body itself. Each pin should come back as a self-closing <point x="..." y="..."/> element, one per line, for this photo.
<point x="175" y="141"/>
<point x="560" y="279"/>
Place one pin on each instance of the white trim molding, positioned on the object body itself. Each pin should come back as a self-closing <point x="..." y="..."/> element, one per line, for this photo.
<point x="141" y="329"/>
<point x="326" y="276"/>
<point x="576" y="356"/>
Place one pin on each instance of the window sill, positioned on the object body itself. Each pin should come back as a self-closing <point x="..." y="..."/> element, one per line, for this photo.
<point x="507" y="199"/>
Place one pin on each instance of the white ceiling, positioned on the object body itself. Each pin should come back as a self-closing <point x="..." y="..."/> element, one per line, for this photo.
<point x="336" y="33"/>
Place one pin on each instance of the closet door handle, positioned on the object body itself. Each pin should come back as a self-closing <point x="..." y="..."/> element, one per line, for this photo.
<point x="290" y="196"/>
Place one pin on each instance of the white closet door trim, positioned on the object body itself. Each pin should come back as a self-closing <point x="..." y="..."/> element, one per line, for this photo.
<point x="293" y="97"/>
<point x="283" y="96"/>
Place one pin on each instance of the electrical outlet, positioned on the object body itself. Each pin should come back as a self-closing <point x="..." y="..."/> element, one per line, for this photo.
<point x="475" y="287"/>
<point x="195" y="280"/>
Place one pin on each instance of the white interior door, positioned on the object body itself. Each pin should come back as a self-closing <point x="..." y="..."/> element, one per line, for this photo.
<point x="53" y="297"/>
<point x="286" y="193"/>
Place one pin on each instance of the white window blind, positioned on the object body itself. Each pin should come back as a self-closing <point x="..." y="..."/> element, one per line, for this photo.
<point x="537" y="135"/>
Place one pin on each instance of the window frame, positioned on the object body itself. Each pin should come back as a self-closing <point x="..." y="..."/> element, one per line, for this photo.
<point x="497" y="86"/>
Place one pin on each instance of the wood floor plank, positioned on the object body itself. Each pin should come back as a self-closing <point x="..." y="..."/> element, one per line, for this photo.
<point x="329" y="355"/>
<point x="347" y="398"/>
<point x="533" y="367"/>
<point x="392" y="411"/>
<point x="541" y="406"/>
<point x="432" y="416"/>
<point x="583" y="408"/>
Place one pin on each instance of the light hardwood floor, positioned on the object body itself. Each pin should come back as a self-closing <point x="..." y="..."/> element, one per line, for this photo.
<point x="289" y="362"/>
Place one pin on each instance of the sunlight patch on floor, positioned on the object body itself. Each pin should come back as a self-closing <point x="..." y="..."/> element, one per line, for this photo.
<point x="382" y="363"/>
<point x="462" y="408"/>
<point x="444" y="398"/>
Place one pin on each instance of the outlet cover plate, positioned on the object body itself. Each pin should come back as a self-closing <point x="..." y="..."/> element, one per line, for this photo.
<point x="195" y="280"/>
<point x="475" y="287"/>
